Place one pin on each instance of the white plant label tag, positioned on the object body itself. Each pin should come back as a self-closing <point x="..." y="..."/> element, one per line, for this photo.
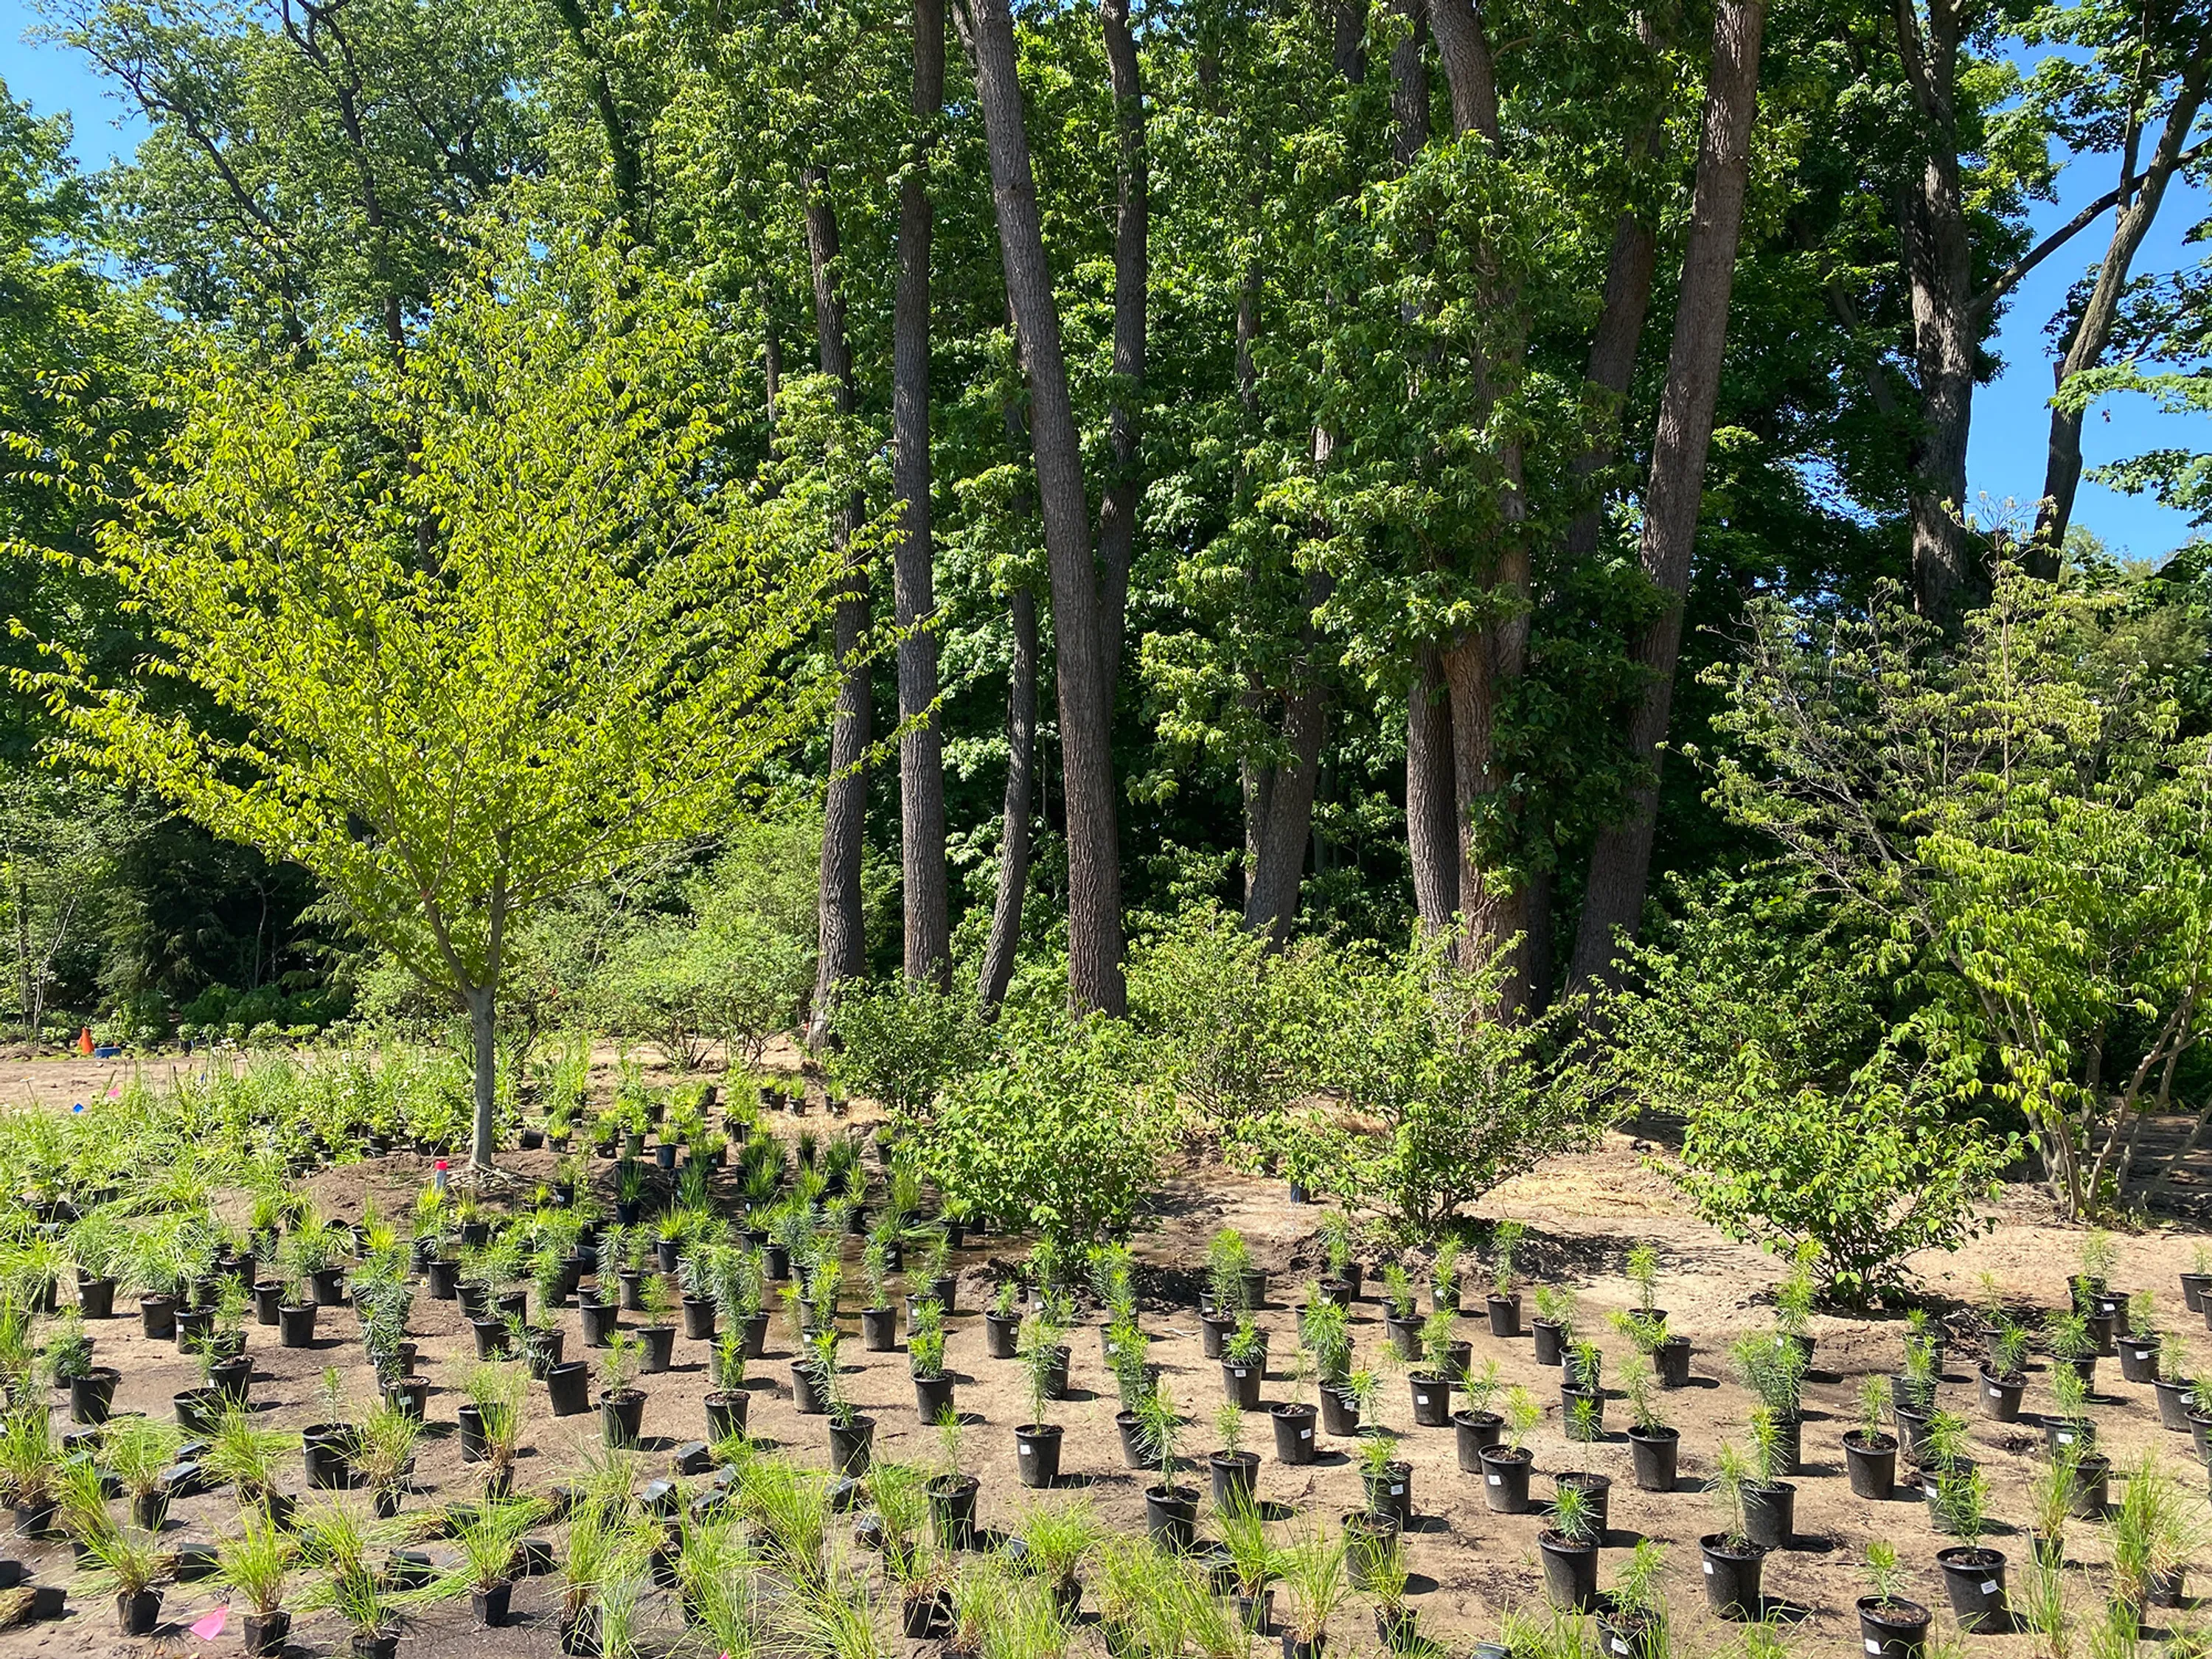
<point x="1708" y="1569"/>
<point x="1497" y="1481"/>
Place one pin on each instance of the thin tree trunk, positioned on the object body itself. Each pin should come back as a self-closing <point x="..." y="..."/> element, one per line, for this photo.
<point x="843" y="946"/>
<point x="1117" y="509"/>
<point x="1094" y="874"/>
<point x="1432" y="838"/>
<point x="1620" y="863"/>
<point x="921" y="752"/>
<point x="2061" y="474"/>
<point x="483" y="1141"/>
<point x="1005" y="936"/>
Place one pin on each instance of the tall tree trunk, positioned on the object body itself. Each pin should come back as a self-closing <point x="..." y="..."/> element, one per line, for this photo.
<point x="1006" y="937"/>
<point x="1117" y="508"/>
<point x="1431" y="837"/>
<point x="1094" y="872"/>
<point x="922" y="742"/>
<point x="2061" y="474"/>
<point x="1620" y="863"/>
<point x="843" y="947"/>
<point x="1938" y="270"/>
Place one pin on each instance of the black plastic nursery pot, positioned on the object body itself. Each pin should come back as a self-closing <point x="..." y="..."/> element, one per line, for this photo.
<point x="1240" y="1383"/>
<point x="1504" y="1314"/>
<point x="1732" y="1576"/>
<point x="2172" y="1394"/>
<point x="1171" y="1517"/>
<point x="1213" y="1333"/>
<point x="91" y="1395"/>
<point x="933" y="1396"/>
<point x="599" y="1321"/>
<point x="808" y="1395"/>
<point x="197" y="1410"/>
<point x="1340" y="1412"/>
<point x="1769" y="1512"/>
<point x="327" y="1466"/>
<point x="1037" y="1454"/>
<point x="232" y="1378"/>
<point x="2138" y="1357"/>
<point x="1389" y="1490"/>
<point x="879" y="1330"/>
<point x="1671" y="1361"/>
<point x="1631" y="1635"/>
<point x="384" y="1644"/>
<point x="1368" y="1538"/>
<point x="1002" y="1335"/>
<point x="2200" y="1436"/>
<point x="952" y="1510"/>
<point x="137" y="1612"/>
<point x="698" y="1319"/>
<point x="1294" y="1434"/>
<point x="1234" y="1476"/>
<point x="149" y="1509"/>
<point x="659" y="1342"/>
<point x="1474" y="1432"/>
<point x="491" y="1606"/>
<point x="1405" y="1335"/>
<point x="757" y="1335"/>
<point x="1653" y="1452"/>
<point x="1136" y="1449"/>
<point x="569" y="1386"/>
<point x="1432" y="1400"/>
<point x="725" y="1413"/>
<point x="328" y="1286"/>
<point x="851" y="1444"/>
<point x="1505" y="1479"/>
<point x="1974" y="1579"/>
<point x="469" y="1418"/>
<point x="2192" y="1290"/>
<point x="1871" y="1464"/>
<point x="926" y="1616"/>
<point x="157" y="1317"/>
<point x="1597" y="1490"/>
<point x="268" y="1297"/>
<point x="622" y="1412"/>
<point x="1570" y="1570"/>
<point x="445" y="1277"/>
<point x="262" y="1635"/>
<point x="2067" y="1436"/>
<point x="2092" y="1495"/>
<point x="411" y="1394"/>
<point x="95" y="1298"/>
<point x="1891" y="1627"/>
<point x="1299" y="1647"/>
<point x="1551" y="1341"/>
<point x="2001" y="1395"/>
<point x="295" y="1324"/>
<point x="1570" y="1399"/>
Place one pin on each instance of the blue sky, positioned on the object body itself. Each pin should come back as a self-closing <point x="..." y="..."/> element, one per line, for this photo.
<point x="2011" y="417"/>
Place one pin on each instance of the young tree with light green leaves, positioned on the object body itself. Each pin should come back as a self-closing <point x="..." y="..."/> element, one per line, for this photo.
<point x="485" y="621"/>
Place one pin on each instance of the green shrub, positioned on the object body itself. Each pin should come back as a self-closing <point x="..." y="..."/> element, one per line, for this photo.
<point x="902" y="1042"/>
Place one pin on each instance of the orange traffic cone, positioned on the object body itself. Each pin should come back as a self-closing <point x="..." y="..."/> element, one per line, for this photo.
<point x="84" y="1040"/>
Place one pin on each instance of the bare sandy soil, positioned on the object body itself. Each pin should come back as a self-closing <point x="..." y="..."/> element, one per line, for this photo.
<point x="1470" y="1566"/>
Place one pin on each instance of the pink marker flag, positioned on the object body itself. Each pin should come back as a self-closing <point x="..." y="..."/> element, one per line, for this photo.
<point x="211" y="1625"/>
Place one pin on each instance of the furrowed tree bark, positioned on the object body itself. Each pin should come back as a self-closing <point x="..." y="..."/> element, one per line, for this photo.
<point x="1939" y="267"/>
<point x="1005" y="936"/>
<point x="1093" y="875"/>
<point x="1620" y="863"/>
<point x="921" y="741"/>
<point x="843" y="947"/>
<point x="1117" y="508"/>
<point x="2062" y="475"/>
<point x="1482" y="665"/>
<point x="1432" y="838"/>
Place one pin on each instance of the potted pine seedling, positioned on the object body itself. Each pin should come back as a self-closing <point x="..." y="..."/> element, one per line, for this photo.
<point x="1056" y="1541"/>
<point x="2066" y="1335"/>
<point x="2004" y="1373"/>
<point x="1870" y="1450"/>
<point x="1294" y="1419"/>
<point x="952" y="1489"/>
<point x="1401" y="1319"/>
<point x="1244" y="1364"/>
<point x="1325" y="1327"/>
<point x="2193" y="1282"/>
<point x="1891" y="1626"/>
<point x="1644" y="1278"/>
<point x="1503" y="1302"/>
<point x="489" y="1547"/>
<point x="1773" y="1368"/>
<point x="2153" y="1541"/>
<point x="1793" y="1305"/>
<point x="1733" y="1560"/>
<point x="1770" y="1503"/>
<point x="851" y="1433"/>
<point x="2176" y="1385"/>
<point x="1581" y="1395"/>
<point x="1170" y="1510"/>
<point x="896" y="1493"/>
<point x="1253" y="1557"/>
<point x="1943" y="1453"/>
<point x="1632" y="1622"/>
<point x="1233" y="1469"/>
<point x="1505" y="1466"/>
<point x="1002" y="1321"/>
<point x="1342" y="1286"/>
<point x="657" y="1334"/>
<point x="2099" y="1255"/>
<point x="2051" y="1492"/>
<point x="924" y="1353"/>
<point x="1973" y="1574"/>
<point x="1568" y="1547"/>
<point x="1441" y="1360"/>
<point x="1476" y="1425"/>
<point x="879" y="1317"/>
<point x="128" y="1564"/>
<point x="1315" y="1586"/>
<point x="1443" y="1278"/>
<point x="1036" y="1442"/>
<point x="2138" y="1346"/>
<point x="2069" y="1428"/>
<point x="254" y="1565"/>
<point x="326" y="1444"/>
<point x="139" y="1453"/>
<point x="622" y="1402"/>
<point x="1554" y="1325"/>
<point x="1654" y="1444"/>
<point x="1227" y="1260"/>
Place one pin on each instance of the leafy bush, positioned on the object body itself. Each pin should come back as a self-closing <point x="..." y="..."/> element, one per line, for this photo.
<point x="902" y="1042"/>
<point x="1439" y="1102"/>
<point x="1058" y="1133"/>
<point x="1804" y="1120"/>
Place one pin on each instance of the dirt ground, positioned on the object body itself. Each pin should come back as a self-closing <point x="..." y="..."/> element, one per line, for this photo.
<point x="1469" y="1565"/>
